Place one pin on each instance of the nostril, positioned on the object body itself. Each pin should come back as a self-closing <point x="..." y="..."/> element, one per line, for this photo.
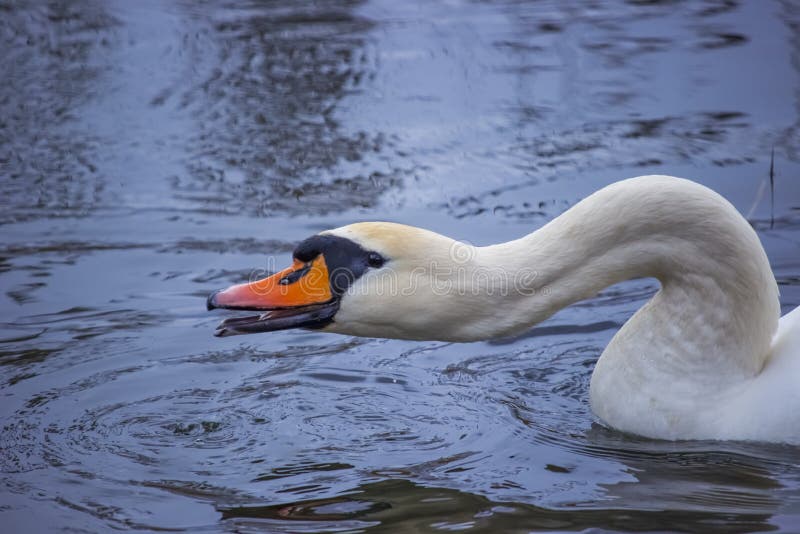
<point x="294" y="276"/>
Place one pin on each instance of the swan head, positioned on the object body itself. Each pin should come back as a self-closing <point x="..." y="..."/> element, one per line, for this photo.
<point x="369" y="279"/>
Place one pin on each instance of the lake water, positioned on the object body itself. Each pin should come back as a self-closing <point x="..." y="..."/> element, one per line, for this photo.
<point x="151" y="152"/>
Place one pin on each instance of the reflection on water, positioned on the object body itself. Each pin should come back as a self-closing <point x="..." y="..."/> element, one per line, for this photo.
<point x="153" y="151"/>
<point x="401" y="506"/>
<point x="271" y="141"/>
<point x="51" y="57"/>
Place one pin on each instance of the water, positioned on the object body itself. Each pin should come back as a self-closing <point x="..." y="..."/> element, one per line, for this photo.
<point x="151" y="152"/>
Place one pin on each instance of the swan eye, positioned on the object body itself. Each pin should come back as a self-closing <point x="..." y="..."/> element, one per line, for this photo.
<point x="375" y="260"/>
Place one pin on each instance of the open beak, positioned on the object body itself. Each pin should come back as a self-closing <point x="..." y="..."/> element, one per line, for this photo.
<point x="297" y="297"/>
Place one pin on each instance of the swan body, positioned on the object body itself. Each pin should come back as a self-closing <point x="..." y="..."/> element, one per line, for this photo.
<point x="708" y="357"/>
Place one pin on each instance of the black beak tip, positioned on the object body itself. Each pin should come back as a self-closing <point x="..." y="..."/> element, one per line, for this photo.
<point x="211" y="303"/>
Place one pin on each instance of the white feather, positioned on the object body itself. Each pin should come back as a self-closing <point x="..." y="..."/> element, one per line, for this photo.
<point x="705" y="358"/>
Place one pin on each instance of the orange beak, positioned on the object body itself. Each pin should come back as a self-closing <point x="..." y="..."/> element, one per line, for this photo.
<point x="297" y="297"/>
<point x="299" y="285"/>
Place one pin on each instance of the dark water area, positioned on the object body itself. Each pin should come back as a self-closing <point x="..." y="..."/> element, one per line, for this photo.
<point x="151" y="152"/>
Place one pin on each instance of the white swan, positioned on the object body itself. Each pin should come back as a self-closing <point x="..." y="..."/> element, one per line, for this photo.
<point x="706" y="358"/>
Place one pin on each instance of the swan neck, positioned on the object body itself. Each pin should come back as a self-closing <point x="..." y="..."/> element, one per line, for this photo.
<point x="718" y="295"/>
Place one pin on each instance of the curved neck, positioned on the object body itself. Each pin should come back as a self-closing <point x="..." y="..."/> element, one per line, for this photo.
<point x="718" y="300"/>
